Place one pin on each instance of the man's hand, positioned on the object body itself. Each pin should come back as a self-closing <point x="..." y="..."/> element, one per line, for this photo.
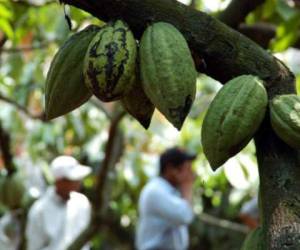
<point x="186" y="179"/>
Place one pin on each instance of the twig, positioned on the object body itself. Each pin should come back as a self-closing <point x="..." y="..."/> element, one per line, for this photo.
<point x="237" y="11"/>
<point x="23" y="109"/>
<point x="111" y="158"/>
<point x="101" y="192"/>
<point x="28" y="48"/>
<point x="226" y="224"/>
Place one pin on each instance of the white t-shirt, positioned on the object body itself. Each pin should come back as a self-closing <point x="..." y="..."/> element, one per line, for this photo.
<point x="163" y="217"/>
<point x="53" y="224"/>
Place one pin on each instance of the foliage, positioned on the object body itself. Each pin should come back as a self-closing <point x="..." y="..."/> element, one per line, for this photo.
<point x="32" y="33"/>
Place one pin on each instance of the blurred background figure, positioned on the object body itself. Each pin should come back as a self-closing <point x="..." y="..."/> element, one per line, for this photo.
<point x="62" y="213"/>
<point x="249" y="214"/>
<point x="165" y="209"/>
<point x="10" y="229"/>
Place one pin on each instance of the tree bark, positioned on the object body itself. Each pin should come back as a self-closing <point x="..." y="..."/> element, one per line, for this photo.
<point x="227" y="54"/>
<point x="279" y="173"/>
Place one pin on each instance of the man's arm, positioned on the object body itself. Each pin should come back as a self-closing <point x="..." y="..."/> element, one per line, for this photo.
<point x="34" y="231"/>
<point x="170" y="207"/>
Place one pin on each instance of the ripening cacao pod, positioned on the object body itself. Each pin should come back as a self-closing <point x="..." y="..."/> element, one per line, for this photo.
<point x="168" y="72"/>
<point x="285" y="118"/>
<point x="254" y="240"/>
<point x="65" y="88"/>
<point x="138" y="104"/>
<point x="232" y="118"/>
<point x="110" y="61"/>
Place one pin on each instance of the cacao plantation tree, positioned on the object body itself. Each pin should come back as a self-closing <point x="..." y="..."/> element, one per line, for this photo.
<point x="233" y="38"/>
<point x="227" y="54"/>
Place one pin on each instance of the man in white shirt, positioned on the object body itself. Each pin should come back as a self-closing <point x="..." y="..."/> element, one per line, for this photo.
<point x="165" y="204"/>
<point x="62" y="213"/>
<point x="10" y="229"/>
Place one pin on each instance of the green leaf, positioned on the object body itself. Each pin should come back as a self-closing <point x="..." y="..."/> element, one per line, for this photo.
<point x="285" y="11"/>
<point x="6" y="28"/>
<point x="5" y="13"/>
<point x="286" y="34"/>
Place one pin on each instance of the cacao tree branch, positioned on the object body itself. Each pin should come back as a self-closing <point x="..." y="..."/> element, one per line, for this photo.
<point x="23" y="109"/>
<point x="222" y="223"/>
<point x="279" y="188"/>
<point x="237" y="11"/>
<point x="262" y="33"/>
<point x="113" y="152"/>
<point x="224" y="50"/>
<point x="227" y="54"/>
<point x="7" y="156"/>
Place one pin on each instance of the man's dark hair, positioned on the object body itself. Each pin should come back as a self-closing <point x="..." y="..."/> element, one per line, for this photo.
<point x="174" y="157"/>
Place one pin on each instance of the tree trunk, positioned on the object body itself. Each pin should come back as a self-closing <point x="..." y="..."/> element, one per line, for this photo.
<point x="227" y="54"/>
<point x="279" y="173"/>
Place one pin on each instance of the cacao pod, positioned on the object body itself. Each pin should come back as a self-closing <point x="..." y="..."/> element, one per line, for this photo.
<point x="254" y="240"/>
<point x="110" y="62"/>
<point x="285" y="118"/>
<point x="138" y="104"/>
<point x="14" y="191"/>
<point x="168" y="72"/>
<point x="65" y="88"/>
<point x="232" y="118"/>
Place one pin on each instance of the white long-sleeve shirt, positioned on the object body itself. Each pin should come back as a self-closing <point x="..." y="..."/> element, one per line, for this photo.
<point x="10" y="228"/>
<point x="53" y="223"/>
<point x="163" y="217"/>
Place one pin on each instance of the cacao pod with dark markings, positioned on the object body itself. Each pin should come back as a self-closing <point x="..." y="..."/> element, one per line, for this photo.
<point x="110" y="61"/>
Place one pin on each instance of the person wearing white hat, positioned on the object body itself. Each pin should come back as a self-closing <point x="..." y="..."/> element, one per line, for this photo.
<point x="62" y="213"/>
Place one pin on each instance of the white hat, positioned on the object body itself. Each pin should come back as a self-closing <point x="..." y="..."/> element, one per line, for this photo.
<point x="69" y="168"/>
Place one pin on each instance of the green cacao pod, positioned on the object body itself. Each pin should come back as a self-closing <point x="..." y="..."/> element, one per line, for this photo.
<point x="167" y="71"/>
<point x="65" y="89"/>
<point x="232" y="118"/>
<point x="110" y="61"/>
<point x="138" y="104"/>
<point x="254" y="240"/>
<point x="285" y="118"/>
<point x="14" y="191"/>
